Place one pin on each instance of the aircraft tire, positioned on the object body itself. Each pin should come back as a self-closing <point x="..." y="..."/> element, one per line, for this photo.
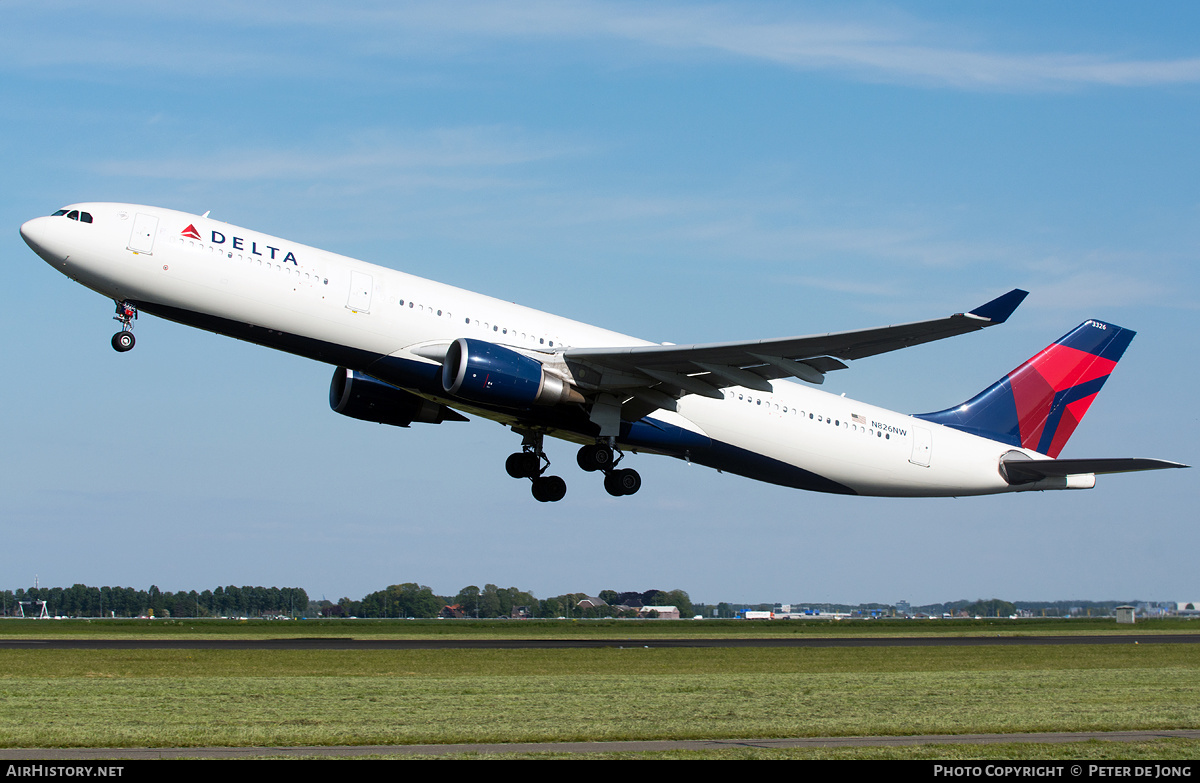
<point x="123" y="341"/>
<point x="521" y="465"/>
<point x="622" y="482"/>
<point x="594" y="457"/>
<point x="549" y="489"/>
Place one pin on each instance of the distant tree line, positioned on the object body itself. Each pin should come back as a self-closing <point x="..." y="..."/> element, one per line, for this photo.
<point x="83" y="601"/>
<point x="396" y="601"/>
<point x="413" y="600"/>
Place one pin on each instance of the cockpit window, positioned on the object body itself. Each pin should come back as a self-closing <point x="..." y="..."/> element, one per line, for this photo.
<point x="75" y="214"/>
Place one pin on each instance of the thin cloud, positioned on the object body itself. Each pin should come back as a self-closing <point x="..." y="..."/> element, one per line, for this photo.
<point x="1108" y="289"/>
<point x="897" y="48"/>
<point x="383" y="154"/>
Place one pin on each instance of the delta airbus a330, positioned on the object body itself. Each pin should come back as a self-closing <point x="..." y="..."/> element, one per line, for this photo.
<point x="412" y="350"/>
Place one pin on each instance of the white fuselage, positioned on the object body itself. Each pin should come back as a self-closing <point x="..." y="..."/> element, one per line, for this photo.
<point x="343" y="311"/>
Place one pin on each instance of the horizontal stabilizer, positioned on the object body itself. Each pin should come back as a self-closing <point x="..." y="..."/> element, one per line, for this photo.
<point x="1024" y="470"/>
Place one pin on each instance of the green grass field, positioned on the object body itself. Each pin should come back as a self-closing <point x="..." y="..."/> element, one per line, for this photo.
<point x="170" y="698"/>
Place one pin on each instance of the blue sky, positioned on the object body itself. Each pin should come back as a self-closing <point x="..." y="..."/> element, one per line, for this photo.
<point x="680" y="172"/>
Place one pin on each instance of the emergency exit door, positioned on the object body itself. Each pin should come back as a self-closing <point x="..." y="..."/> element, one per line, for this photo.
<point x="360" y="292"/>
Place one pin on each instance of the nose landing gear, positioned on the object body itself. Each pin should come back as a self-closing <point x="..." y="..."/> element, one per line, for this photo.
<point x="123" y="340"/>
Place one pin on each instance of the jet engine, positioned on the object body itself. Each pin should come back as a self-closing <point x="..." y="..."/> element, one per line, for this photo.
<point x="362" y="397"/>
<point x="484" y="372"/>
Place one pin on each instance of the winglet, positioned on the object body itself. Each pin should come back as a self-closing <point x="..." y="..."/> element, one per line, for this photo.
<point x="999" y="309"/>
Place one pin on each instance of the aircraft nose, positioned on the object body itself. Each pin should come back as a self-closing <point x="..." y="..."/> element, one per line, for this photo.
<point x="37" y="233"/>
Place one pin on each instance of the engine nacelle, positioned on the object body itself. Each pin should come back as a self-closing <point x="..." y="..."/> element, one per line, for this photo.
<point x="362" y="397"/>
<point x="484" y="372"/>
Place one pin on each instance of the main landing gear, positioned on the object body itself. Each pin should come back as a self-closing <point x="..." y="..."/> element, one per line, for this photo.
<point x="528" y="463"/>
<point x="123" y="340"/>
<point x="604" y="457"/>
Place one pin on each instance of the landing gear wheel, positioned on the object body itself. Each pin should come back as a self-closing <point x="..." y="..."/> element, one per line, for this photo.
<point x="123" y="340"/>
<point x="528" y="463"/>
<point x="549" y="489"/>
<point x="622" y="482"/>
<point x="598" y="456"/>
<point x="523" y="464"/>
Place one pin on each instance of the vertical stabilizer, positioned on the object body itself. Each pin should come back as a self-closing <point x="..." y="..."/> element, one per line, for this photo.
<point x="1038" y="405"/>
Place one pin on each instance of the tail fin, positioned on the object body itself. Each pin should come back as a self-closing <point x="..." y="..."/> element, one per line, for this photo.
<point x="1038" y="405"/>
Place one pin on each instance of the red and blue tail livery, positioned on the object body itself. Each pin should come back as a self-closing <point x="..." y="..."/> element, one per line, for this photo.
<point x="1038" y="405"/>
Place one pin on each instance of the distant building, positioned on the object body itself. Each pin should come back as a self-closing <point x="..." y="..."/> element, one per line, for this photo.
<point x="663" y="612"/>
<point x="1126" y="614"/>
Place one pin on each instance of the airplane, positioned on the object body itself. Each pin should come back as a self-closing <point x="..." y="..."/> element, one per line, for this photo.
<point x="409" y="350"/>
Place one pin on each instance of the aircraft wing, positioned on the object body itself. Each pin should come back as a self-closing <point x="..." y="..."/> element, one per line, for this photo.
<point x="661" y="373"/>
